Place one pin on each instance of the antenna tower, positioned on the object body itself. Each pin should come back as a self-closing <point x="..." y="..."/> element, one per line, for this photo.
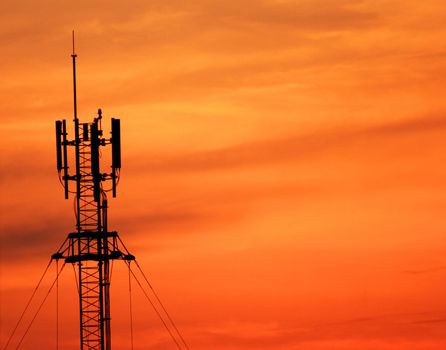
<point x="92" y="246"/>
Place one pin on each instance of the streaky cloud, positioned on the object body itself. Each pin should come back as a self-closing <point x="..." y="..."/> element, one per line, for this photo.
<point x="288" y="148"/>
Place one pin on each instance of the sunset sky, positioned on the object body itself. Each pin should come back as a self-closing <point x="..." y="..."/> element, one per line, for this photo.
<point x="283" y="174"/>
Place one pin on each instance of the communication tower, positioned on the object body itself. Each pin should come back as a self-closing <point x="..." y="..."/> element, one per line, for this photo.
<point x="92" y="246"/>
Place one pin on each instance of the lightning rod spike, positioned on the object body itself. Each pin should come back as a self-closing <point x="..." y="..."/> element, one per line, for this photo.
<point x="74" y="79"/>
<point x="73" y="42"/>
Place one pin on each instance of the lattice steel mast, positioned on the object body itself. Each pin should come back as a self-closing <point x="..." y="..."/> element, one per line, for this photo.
<point x="92" y="245"/>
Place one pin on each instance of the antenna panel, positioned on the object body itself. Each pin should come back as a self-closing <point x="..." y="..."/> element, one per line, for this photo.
<point x="95" y="171"/>
<point x="85" y="131"/>
<point x="116" y="143"/>
<point x="65" y="157"/>
<point x="59" y="145"/>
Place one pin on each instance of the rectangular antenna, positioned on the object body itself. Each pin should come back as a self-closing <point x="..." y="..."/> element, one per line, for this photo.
<point x="95" y="161"/>
<point x="59" y="145"/>
<point x="116" y="150"/>
<point x="85" y="131"/>
<point x="114" y="183"/>
<point x="116" y="143"/>
<point x="65" y="157"/>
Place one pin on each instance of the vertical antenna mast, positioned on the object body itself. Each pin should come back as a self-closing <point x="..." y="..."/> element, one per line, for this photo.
<point x="74" y="79"/>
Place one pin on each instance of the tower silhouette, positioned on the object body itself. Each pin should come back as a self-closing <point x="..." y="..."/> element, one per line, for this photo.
<point x="92" y="246"/>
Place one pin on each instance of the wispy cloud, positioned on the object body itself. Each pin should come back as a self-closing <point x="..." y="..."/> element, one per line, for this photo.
<point x="288" y="148"/>
<point x="34" y="241"/>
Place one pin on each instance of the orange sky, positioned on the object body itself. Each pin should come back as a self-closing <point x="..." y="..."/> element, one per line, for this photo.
<point x="283" y="176"/>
